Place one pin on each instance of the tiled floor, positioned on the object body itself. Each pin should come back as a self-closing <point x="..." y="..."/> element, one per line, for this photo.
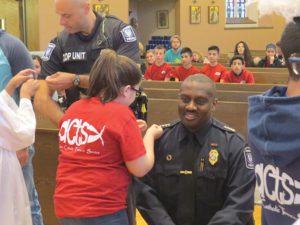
<point x="257" y="217"/>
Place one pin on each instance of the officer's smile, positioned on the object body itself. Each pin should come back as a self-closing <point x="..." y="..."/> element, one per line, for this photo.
<point x="190" y="116"/>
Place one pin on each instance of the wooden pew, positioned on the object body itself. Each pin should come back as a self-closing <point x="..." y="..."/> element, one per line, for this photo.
<point x="235" y="96"/>
<point x="226" y="87"/>
<point x="45" y="163"/>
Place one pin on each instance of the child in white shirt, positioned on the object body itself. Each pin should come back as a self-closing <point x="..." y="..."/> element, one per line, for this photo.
<point x="17" y="131"/>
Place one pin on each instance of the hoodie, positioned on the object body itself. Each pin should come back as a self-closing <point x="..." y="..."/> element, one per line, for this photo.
<point x="274" y="137"/>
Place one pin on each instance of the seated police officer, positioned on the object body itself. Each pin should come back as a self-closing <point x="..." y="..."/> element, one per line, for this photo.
<point x="203" y="172"/>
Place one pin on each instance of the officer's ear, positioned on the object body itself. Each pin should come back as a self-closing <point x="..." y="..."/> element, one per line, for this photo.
<point x="86" y="7"/>
<point x="214" y="104"/>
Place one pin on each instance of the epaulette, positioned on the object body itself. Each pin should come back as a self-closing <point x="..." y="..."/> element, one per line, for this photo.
<point x="223" y="126"/>
<point x="169" y="125"/>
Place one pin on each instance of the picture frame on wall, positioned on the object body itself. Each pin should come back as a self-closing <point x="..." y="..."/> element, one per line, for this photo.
<point x="102" y="9"/>
<point x="195" y="14"/>
<point x="213" y="14"/>
<point x="162" y="17"/>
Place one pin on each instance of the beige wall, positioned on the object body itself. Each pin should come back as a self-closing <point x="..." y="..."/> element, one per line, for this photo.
<point x="9" y="10"/>
<point x="146" y="12"/>
<point x="197" y="36"/>
<point x="49" y="22"/>
<point x="200" y="36"/>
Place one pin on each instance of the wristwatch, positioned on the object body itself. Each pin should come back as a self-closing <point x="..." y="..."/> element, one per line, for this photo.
<point x="76" y="80"/>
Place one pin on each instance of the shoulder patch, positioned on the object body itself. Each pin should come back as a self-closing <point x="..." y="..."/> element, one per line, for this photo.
<point x="128" y="34"/>
<point x="248" y="158"/>
<point x="48" y="52"/>
<point x="168" y="125"/>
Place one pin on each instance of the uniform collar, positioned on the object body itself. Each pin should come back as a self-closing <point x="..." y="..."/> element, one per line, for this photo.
<point x="200" y="134"/>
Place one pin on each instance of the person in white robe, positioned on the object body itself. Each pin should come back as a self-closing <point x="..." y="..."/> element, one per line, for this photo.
<point x="17" y="131"/>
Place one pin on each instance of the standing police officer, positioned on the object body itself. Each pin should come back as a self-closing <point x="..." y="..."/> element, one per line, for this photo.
<point x="69" y="57"/>
<point x="203" y="172"/>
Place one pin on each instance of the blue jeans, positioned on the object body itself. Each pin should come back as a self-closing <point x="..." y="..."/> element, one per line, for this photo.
<point x="36" y="213"/>
<point x="118" y="218"/>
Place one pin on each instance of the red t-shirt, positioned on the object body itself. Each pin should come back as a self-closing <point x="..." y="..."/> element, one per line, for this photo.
<point x="95" y="140"/>
<point x="155" y="72"/>
<point x="245" y="77"/>
<point x="215" y="73"/>
<point x="182" y="73"/>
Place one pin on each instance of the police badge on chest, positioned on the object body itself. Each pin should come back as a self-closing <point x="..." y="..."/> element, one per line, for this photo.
<point x="74" y="56"/>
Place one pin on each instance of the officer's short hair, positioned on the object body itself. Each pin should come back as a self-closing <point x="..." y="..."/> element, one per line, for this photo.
<point x="239" y="57"/>
<point x="187" y="50"/>
<point x="110" y="73"/>
<point x="290" y="43"/>
<point x="202" y="78"/>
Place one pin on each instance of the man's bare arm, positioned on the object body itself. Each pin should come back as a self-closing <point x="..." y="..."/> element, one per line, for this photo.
<point x="45" y="105"/>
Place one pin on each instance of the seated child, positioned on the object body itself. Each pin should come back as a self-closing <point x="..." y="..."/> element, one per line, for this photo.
<point x="159" y="70"/>
<point x="213" y="69"/>
<point x="149" y="60"/>
<point x="238" y="73"/>
<point x="241" y="48"/>
<point x="173" y="54"/>
<point x="186" y="69"/>
<point x="17" y="125"/>
<point x="199" y="58"/>
<point x="270" y="60"/>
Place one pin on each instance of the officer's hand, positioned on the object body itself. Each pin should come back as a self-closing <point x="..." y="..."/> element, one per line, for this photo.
<point x="142" y="125"/>
<point x="23" y="156"/>
<point x="60" y="81"/>
<point x="155" y="130"/>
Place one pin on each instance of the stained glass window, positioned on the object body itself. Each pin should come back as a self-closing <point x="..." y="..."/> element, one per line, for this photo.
<point x="236" y="9"/>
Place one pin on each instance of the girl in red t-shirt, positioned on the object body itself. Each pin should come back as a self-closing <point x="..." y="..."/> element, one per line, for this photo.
<point x="101" y="145"/>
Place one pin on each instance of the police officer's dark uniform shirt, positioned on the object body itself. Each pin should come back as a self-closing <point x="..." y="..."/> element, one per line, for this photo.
<point x="76" y="53"/>
<point x="221" y="171"/>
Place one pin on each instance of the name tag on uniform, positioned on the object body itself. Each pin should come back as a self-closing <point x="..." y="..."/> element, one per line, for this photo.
<point x="217" y="73"/>
<point x="74" y="56"/>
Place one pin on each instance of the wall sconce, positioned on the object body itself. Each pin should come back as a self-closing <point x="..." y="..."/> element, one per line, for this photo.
<point x="2" y="23"/>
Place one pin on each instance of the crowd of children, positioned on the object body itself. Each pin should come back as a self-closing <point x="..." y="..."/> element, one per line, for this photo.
<point x="163" y="65"/>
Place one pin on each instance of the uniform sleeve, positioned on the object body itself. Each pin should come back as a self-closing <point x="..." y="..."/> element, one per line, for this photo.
<point x="148" y="204"/>
<point x="52" y="58"/>
<point x="17" y="124"/>
<point x="125" y="42"/>
<point x="131" y="142"/>
<point x="19" y="58"/>
<point x="239" y="194"/>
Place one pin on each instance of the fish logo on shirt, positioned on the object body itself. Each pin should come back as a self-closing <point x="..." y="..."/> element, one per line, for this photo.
<point x="79" y="132"/>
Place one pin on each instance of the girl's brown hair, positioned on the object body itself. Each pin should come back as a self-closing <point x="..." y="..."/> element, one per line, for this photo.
<point x="110" y="73"/>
